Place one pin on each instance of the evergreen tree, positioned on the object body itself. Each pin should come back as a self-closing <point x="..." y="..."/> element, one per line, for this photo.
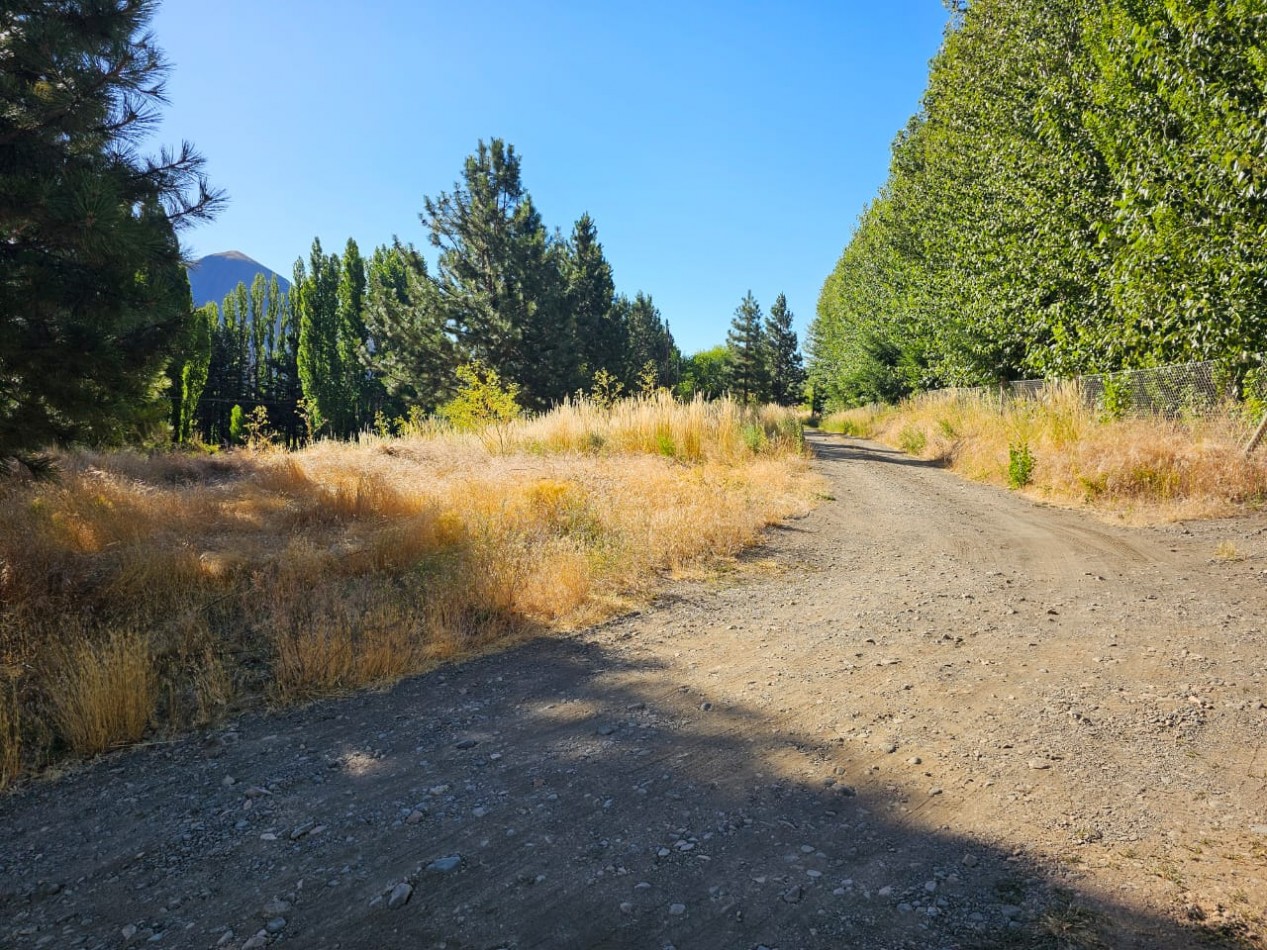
<point x="785" y="369"/>
<point x="601" y="337"/>
<point x="498" y="277"/>
<point x="749" y="377"/>
<point x="650" y="342"/>
<point x="411" y="354"/>
<point x="91" y="302"/>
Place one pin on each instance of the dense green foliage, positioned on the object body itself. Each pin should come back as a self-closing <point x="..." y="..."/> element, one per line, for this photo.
<point x="366" y="343"/>
<point x="94" y="305"/>
<point x="759" y="362"/>
<point x="1082" y="191"/>
<point x="251" y="361"/>
<point x="749" y="370"/>
<point x="706" y="374"/>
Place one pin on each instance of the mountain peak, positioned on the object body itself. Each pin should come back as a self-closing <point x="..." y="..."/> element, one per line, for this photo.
<point x="215" y="276"/>
<point x="231" y="256"/>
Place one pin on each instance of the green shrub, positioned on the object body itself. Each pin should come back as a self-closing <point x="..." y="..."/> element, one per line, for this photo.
<point x="1254" y="393"/>
<point x="1117" y="396"/>
<point x="912" y="440"/>
<point x="754" y="437"/>
<point x="237" y="425"/>
<point x="1020" y="465"/>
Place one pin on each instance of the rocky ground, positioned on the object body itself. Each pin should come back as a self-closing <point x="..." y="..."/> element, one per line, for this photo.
<point x="931" y="714"/>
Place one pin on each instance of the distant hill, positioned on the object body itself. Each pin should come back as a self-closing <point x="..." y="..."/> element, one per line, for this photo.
<point x="213" y="277"/>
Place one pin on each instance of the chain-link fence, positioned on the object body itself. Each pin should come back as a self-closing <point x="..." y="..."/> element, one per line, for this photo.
<point x="1191" y="389"/>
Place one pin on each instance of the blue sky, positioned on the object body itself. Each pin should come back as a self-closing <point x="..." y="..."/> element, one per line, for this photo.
<point x="719" y="147"/>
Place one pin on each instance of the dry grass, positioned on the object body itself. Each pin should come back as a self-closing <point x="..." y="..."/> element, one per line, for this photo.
<point x="168" y="590"/>
<point x="10" y="735"/>
<point x="102" y="695"/>
<point x="1145" y="470"/>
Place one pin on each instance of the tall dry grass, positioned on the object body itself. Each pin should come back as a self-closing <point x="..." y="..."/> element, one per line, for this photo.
<point x="1143" y="469"/>
<point x="102" y="695"/>
<point x="162" y="591"/>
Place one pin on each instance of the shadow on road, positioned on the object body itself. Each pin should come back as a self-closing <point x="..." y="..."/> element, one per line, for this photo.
<point x="592" y="802"/>
<point x="834" y="448"/>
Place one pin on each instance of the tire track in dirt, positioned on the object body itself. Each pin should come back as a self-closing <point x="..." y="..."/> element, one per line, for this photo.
<point x="929" y="714"/>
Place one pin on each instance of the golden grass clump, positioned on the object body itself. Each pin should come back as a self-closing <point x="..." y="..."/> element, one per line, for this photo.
<point x="1144" y="469"/>
<point x="169" y="590"/>
<point x="102" y="694"/>
<point x="721" y="430"/>
<point x="10" y="734"/>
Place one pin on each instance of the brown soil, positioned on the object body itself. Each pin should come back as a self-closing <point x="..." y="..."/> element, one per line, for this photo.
<point x="930" y="714"/>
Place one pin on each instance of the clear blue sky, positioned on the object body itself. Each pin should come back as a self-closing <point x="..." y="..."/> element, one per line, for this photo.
<point x="719" y="147"/>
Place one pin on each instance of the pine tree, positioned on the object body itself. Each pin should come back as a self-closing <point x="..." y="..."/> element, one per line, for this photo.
<point x="91" y="304"/>
<point x="601" y="337"/>
<point x="409" y="352"/>
<point x="783" y="358"/>
<point x="749" y="376"/>
<point x="498" y="277"/>
<point x="650" y="342"/>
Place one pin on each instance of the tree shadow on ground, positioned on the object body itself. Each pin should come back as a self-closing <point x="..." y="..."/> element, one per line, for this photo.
<point x="589" y="799"/>
<point x="841" y="451"/>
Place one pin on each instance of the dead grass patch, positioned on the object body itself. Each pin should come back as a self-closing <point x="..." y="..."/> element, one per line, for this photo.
<point x="162" y="592"/>
<point x="102" y="694"/>
<point x="1145" y="470"/>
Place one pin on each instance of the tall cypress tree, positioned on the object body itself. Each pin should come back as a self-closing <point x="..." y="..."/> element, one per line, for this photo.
<point x="783" y="358"/>
<point x="257" y="302"/>
<point x="749" y="378"/>
<point x="358" y="390"/>
<point x="194" y="370"/>
<point x="285" y="388"/>
<point x="315" y="297"/>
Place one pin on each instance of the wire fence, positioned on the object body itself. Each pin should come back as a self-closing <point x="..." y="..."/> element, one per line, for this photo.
<point x="1186" y="389"/>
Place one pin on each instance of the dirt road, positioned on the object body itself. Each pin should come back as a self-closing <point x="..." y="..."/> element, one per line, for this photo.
<point x="930" y="714"/>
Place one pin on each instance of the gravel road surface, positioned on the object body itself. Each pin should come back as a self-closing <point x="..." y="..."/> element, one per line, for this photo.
<point x="930" y="714"/>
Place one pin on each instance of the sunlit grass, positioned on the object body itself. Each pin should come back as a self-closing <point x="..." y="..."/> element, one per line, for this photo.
<point x="159" y="592"/>
<point x="1146" y="469"/>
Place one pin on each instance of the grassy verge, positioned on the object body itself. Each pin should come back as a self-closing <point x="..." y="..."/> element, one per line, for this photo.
<point x="1144" y="470"/>
<point x="153" y="594"/>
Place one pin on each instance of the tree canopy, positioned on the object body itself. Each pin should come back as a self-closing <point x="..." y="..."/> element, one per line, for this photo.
<point x="94" y="302"/>
<point x="1081" y="191"/>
